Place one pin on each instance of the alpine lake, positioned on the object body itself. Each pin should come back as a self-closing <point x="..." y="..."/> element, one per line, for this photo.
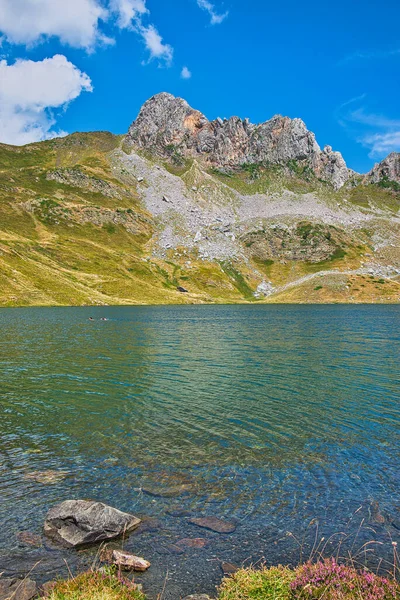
<point x="282" y="420"/>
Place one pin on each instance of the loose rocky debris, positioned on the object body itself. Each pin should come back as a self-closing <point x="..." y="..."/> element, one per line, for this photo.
<point x="17" y="589"/>
<point x="129" y="562"/>
<point x="76" y="523"/>
<point x="198" y="597"/>
<point x="214" y="524"/>
<point x="75" y="177"/>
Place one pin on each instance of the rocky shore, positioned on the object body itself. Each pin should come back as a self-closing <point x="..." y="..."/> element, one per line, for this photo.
<point x="80" y="524"/>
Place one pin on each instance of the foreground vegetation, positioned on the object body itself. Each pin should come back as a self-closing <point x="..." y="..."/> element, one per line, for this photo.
<point x="325" y="579"/>
<point x="96" y="585"/>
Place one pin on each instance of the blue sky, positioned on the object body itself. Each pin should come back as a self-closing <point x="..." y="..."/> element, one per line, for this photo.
<point x="335" y="65"/>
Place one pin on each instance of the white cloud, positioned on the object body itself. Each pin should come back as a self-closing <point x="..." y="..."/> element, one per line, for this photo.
<point x="128" y="11"/>
<point x="74" y="22"/>
<point x="28" y="92"/>
<point x="369" y="55"/>
<point x="382" y="144"/>
<point x="216" y="18"/>
<point x="78" y="23"/>
<point x="185" y="73"/>
<point x="377" y="132"/>
<point x="154" y="44"/>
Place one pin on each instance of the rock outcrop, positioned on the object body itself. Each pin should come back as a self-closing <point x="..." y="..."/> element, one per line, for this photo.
<point x="169" y="127"/>
<point x="387" y="170"/>
<point x="75" y="523"/>
<point x="17" y="589"/>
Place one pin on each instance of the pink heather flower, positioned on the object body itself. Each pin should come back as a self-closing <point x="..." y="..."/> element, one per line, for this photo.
<point x="332" y="581"/>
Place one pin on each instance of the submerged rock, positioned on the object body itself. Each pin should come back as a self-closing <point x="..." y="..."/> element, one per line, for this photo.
<point x="167" y="492"/>
<point x="75" y="523"/>
<point x="17" y="589"/>
<point x="48" y="476"/>
<point x="193" y="542"/>
<point x="214" y="524"/>
<point x="129" y="562"/>
<point x="29" y="539"/>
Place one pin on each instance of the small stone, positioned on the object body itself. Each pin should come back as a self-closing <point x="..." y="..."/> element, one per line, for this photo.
<point x="17" y="589"/>
<point x="229" y="568"/>
<point x="47" y="588"/>
<point x="129" y="562"/>
<point x="197" y="597"/>
<point x="140" y="179"/>
<point x="193" y="542"/>
<point x="194" y="188"/>
<point x="166" y="199"/>
<point x="214" y="524"/>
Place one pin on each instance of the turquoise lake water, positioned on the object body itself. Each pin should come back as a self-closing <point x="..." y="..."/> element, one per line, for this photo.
<point x="280" y="419"/>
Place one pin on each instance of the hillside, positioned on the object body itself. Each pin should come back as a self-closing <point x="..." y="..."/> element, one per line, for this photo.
<point x="184" y="210"/>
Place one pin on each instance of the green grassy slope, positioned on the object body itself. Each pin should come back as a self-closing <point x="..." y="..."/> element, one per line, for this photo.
<point x="74" y="233"/>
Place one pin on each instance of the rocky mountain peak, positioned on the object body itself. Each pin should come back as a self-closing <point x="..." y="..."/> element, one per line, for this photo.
<point x="167" y="125"/>
<point x="388" y="169"/>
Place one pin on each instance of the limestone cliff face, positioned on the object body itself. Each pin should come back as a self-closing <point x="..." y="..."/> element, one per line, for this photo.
<point x="167" y="124"/>
<point x="388" y="169"/>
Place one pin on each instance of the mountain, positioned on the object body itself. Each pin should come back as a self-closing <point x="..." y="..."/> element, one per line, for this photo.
<point x="168" y="126"/>
<point x="187" y="210"/>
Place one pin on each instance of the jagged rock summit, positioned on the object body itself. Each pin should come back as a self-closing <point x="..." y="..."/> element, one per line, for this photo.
<point x="387" y="170"/>
<point x="169" y="127"/>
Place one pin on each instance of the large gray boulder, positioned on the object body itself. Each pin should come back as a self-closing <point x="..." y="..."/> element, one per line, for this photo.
<point x="169" y="127"/>
<point x="75" y="523"/>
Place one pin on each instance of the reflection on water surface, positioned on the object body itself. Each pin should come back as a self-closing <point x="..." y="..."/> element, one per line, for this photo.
<point x="270" y="417"/>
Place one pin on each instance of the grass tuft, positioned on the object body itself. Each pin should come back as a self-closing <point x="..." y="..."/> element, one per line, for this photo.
<point x="95" y="585"/>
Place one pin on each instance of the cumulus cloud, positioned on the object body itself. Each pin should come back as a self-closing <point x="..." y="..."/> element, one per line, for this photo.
<point x="78" y="23"/>
<point x="216" y="18"/>
<point x="377" y="132"/>
<point x="185" y="73"/>
<point x="28" y="93"/>
<point x="128" y="11"/>
<point x="75" y="22"/>
<point x="155" y="45"/>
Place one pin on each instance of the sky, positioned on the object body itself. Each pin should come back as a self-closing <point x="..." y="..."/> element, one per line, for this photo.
<point x="86" y="65"/>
